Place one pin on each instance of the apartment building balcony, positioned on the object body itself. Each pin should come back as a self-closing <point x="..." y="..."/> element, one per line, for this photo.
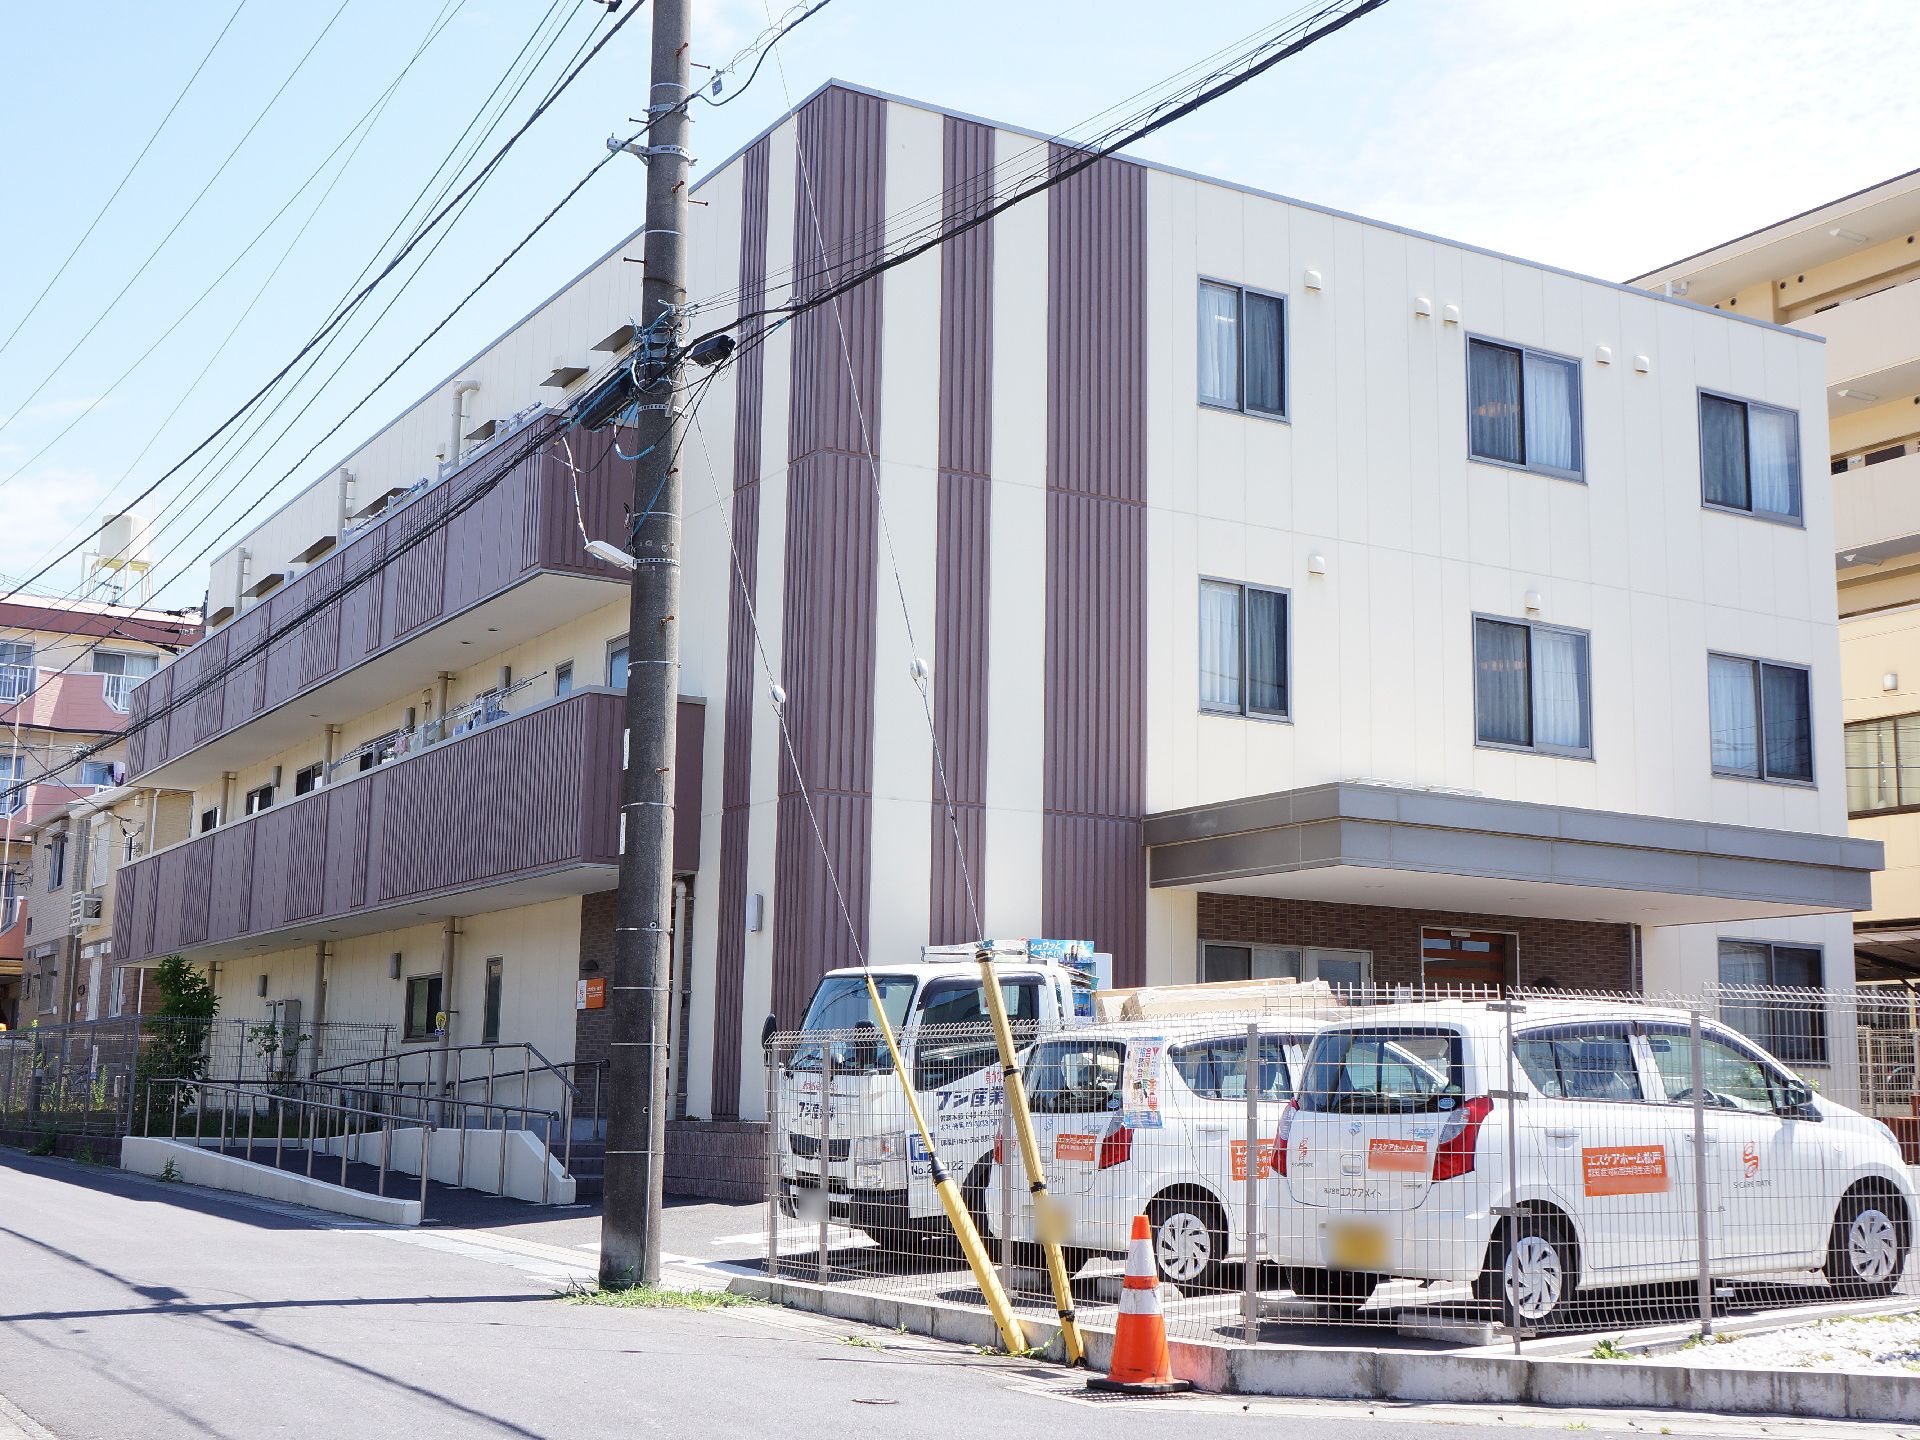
<point x="78" y="701"/>
<point x="515" y="810"/>
<point x="1873" y="347"/>
<point x="381" y="611"/>
<point x="1876" y="510"/>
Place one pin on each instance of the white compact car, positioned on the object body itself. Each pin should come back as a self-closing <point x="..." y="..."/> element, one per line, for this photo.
<point x="1393" y="1161"/>
<point x="1150" y="1118"/>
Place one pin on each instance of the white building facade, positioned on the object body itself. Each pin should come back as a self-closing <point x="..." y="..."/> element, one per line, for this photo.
<point x="1296" y="594"/>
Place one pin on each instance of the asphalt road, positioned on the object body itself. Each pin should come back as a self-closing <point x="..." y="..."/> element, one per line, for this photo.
<point x="129" y="1308"/>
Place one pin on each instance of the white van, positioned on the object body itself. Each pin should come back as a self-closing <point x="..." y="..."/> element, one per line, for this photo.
<point x="1392" y="1160"/>
<point x="876" y="1174"/>
<point x="1150" y="1118"/>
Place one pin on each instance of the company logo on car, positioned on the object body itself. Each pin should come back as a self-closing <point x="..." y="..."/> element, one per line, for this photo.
<point x="1750" y="1169"/>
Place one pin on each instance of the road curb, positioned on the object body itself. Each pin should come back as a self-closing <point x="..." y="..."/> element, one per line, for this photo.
<point x="1365" y="1374"/>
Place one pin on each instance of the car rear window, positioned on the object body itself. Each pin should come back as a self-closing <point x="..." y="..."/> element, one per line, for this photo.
<point x="1075" y="1077"/>
<point x="1383" y="1071"/>
<point x="1216" y="1069"/>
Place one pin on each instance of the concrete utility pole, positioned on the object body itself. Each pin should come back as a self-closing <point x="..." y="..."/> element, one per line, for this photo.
<point x="638" y="997"/>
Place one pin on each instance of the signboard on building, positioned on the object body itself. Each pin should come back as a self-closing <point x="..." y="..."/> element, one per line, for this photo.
<point x="592" y="994"/>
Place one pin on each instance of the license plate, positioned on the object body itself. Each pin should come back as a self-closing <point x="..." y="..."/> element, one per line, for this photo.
<point x="1353" y="1246"/>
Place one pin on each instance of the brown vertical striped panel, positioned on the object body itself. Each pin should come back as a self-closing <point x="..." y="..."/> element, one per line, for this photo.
<point x="962" y="567"/>
<point x="1093" y="876"/>
<point x="827" y="636"/>
<point x="743" y="659"/>
<point x="416" y="576"/>
<point x="231" y="912"/>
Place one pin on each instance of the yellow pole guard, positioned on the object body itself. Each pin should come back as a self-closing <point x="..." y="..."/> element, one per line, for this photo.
<point x="984" y="1275"/>
<point x="1046" y="1222"/>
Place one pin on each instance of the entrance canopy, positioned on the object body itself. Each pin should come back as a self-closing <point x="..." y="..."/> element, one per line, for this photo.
<point x="1357" y="843"/>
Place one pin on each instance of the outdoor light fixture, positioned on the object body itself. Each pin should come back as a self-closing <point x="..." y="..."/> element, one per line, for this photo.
<point x="1852" y="237"/>
<point x="756" y="912"/>
<point x="1848" y="392"/>
<point x="610" y="553"/>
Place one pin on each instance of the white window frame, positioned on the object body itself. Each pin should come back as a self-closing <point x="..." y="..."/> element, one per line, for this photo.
<point x="614" y="647"/>
<point x="1758" y="775"/>
<point x="1243" y="710"/>
<point x="1796" y="520"/>
<point x="1240" y="406"/>
<point x="1537" y="747"/>
<point x="1579" y="473"/>
<point x="16" y="667"/>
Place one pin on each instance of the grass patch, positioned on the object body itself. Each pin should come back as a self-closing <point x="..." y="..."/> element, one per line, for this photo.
<point x="659" y="1297"/>
<point x="1611" y="1350"/>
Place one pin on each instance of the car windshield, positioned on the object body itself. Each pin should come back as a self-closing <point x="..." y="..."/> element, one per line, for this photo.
<point x="955" y="1037"/>
<point x="1383" y="1071"/>
<point x="843" y="1004"/>
<point x="1075" y="1077"/>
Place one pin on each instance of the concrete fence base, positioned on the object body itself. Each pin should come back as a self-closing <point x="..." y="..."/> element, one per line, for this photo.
<point x="197" y="1165"/>
<point x="1329" y="1373"/>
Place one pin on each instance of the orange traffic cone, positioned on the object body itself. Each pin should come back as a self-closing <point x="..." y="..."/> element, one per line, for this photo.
<point x="1140" y="1363"/>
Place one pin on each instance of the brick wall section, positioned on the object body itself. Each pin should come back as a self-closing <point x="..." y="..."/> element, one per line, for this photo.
<point x="1575" y="954"/>
<point x="596" y="960"/>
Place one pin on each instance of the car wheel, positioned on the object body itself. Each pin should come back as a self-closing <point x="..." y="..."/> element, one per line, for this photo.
<point x="1342" y="1291"/>
<point x="1189" y="1242"/>
<point x="1531" y="1271"/>
<point x="1867" y="1249"/>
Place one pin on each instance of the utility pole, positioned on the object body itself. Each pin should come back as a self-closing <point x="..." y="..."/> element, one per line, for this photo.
<point x="638" y="997"/>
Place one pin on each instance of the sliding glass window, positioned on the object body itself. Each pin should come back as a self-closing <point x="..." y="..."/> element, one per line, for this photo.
<point x="1523" y="408"/>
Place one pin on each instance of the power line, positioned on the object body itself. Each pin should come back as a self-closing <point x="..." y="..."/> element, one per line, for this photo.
<point x="192" y="205"/>
<point x="108" y="204"/>
<point x="367" y="289"/>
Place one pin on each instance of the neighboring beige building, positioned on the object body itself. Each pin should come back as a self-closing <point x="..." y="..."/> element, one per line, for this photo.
<point x="1845" y="271"/>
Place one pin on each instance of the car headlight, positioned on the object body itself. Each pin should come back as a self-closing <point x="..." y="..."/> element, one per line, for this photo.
<point x="872" y="1149"/>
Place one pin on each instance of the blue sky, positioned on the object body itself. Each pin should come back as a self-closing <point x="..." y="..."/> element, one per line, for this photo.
<point x="1606" y="138"/>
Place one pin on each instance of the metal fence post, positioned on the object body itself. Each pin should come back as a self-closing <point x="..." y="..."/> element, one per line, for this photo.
<point x="773" y="1157"/>
<point x="1512" y="1102"/>
<point x="1250" y="1289"/>
<point x="826" y="1151"/>
<point x="1010" y="1156"/>
<point x="1700" y="1173"/>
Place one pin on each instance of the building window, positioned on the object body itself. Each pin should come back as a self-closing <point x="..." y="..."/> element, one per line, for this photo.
<point x="1243" y="650"/>
<point x="9" y="899"/>
<point x="1532" y="689"/>
<point x="563" y="678"/>
<point x="307" y="779"/>
<point x="258" y="799"/>
<point x="16" y="668"/>
<point x="617" y="663"/>
<point x="13" y="795"/>
<point x="1523" y="408"/>
<point x="423" y="1008"/>
<point x="1345" y="969"/>
<point x="1792" y="1027"/>
<point x="96" y="773"/>
<point x="1761" y="718"/>
<point x="1749" y="457"/>
<point x="490" y="1013"/>
<point x="56" y="862"/>
<point x="1243" y="350"/>
<point x="1883" y="765"/>
<point x="209" y="819"/>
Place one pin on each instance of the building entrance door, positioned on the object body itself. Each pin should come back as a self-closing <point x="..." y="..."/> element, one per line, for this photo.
<point x="1480" y="958"/>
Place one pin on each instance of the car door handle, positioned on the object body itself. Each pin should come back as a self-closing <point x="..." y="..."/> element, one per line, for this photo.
<point x="1711" y="1142"/>
<point x="1563" y="1134"/>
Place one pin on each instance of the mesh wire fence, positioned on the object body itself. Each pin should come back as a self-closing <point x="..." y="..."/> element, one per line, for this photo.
<point x="93" y="1077"/>
<point x="1501" y="1165"/>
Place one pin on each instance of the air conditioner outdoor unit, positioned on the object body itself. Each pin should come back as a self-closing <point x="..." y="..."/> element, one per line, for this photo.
<point x="86" y="907"/>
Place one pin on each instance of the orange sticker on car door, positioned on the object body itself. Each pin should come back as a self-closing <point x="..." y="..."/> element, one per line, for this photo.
<point x="1625" y="1169"/>
<point x="1265" y="1152"/>
<point x="1402" y="1157"/>
<point x="1084" y="1148"/>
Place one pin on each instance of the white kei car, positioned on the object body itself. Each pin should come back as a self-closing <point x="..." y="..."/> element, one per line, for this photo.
<point x="1392" y="1160"/>
<point x="1150" y="1118"/>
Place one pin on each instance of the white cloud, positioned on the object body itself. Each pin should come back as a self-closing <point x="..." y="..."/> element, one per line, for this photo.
<point x="43" y="512"/>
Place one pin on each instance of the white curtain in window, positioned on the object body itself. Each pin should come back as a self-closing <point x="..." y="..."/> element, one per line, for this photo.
<point x="1870" y="767"/>
<point x="1733" y="715"/>
<point x="1264" y="355"/>
<point x="11" y="769"/>
<point x="1786" y="712"/>
<point x="1560" y="689"/>
<point x="1553" y="420"/>
<point x="1502" y="707"/>
<point x="1773" y="442"/>
<point x="1493" y="398"/>
<point x="1219" y="645"/>
<point x="16" y="669"/>
<point x="1723" y="451"/>
<point x="1266" y="652"/>
<point x="1219" y="345"/>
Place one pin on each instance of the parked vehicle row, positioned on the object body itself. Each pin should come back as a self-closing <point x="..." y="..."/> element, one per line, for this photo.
<point x="1406" y="1142"/>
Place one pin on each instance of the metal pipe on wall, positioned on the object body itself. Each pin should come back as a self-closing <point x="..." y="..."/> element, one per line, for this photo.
<point x="458" y="427"/>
